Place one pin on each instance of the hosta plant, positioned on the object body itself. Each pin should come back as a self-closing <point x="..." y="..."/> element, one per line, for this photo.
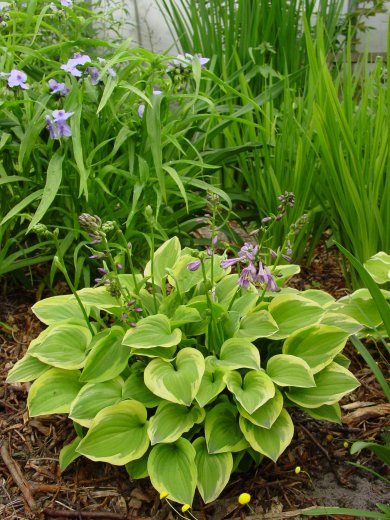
<point x="188" y="371"/>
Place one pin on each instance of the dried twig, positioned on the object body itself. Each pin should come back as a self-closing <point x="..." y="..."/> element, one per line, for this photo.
<point x="309" y="434"/>
<point x="18" y="477"/>
<point x="89" y="514"/>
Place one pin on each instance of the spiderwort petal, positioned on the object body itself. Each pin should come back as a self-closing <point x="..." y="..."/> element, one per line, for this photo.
<point x="66" y="3"/>
<point x="94" y="75"/>
<point x="193" y="266"/>
<point x="58" y="88"/>
<point x="17" y="78"/>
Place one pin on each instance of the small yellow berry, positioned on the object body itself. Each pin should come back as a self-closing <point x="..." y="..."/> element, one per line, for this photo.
<point x="329" y="437"/>
<point x="346" y="445"/>
<point x="297" y="470"/>
<point x="163" y="495"/>
<point x="185" y="508"/>
<point x="244" y="498"/>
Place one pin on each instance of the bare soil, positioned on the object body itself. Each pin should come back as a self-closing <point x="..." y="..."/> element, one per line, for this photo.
<point x="32" y="487"/>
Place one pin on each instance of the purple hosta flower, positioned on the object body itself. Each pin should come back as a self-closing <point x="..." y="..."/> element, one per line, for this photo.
<point x="66" y="3"/>
<point x="225" y="264"/>
<point x="265" y="220"/>
<point x="193" y="266"/>
<point x="110" y="70"/>
<point x="119" y="267"/>
<point x="248" y="274"/>
<point x="247" y="253"/>
<point x="16" y="78"/>
<point x="123" y="317"/>
<point x="264" y="276"/>
<point x="130" y="303"/>
<point x="102" y="270"/>
<point x="58" y="127"/>
<point x="137" y="309"/>
<point x="58" y="88"/>
<point x="73" y="63"/>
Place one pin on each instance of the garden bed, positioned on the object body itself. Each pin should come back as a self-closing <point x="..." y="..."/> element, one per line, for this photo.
<point x="30" y="447"/>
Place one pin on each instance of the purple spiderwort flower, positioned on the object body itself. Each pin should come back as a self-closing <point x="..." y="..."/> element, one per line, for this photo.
<point x="57" y="125"/>
<point x="141" y="108"/>
<point x="193" y="266"/>
<point x="94" y="74"/>
<point x="185" y="60"/>
<point x="110" y="70"/>
<point x="58" y="88"/>
<point x="66" y="3"/>
<point x="16" y="78"/>
<point x="71" y="65"/>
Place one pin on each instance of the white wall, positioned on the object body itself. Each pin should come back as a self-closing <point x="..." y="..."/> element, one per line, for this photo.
<point x="153" y="32"/>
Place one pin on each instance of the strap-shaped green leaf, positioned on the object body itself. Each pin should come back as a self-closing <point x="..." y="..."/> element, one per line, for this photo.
<point x="179" y="383"/>
<point x="172" y="470"/>
<point x="118" y="434"/>
<point x="252" y="392"/>
<point x="286" y="370"/>
<point x="152" y="331"/>
<point x="214" y="470"/>
<point x="270" y="442"/>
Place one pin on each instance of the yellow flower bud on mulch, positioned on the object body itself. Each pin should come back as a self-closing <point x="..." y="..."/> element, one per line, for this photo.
<point x="297" y="470"/>
<point x="163" y="495"/>
<point x="185" y="508"/>
<point x="244" y="498"/>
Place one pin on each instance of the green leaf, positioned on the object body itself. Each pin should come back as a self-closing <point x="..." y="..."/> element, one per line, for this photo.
<point x="64" y="346"/>
<point x="172" y="470"/>
<point x="184" y="315"/>
<point x="213" y="470"/>
<point x="256" y="389"/>
<point x="135" y="388"/>
<point x="186" y="279"/>
<point x="53" y="392"/>
<point x="287" y="370"/>
<point x="378" y="267"/>
<point x="118" y="434"/>
<point x="178" y="384"/>
<point x="361" y="310"/>
<point x="171" y="420"/>
<point x="152" y="331"/>
<point x="293" y="312"/>
<point x="93" y="398"/>
<point x="257" y="325"/>
<point x="107" y="359"/>
<point x="382" y="452"/>
<point x="327" y="412"/>
<point x="212" y="384"/>
<point x="26" y="369"/>
<point x="341" y="321"/>
<point x="53" y="182"/>
<point x="98" y="297"/>
<point x="239" y="353"/>
<point x="68" y="454"/>
<point x="222" y="430"/>
<point x="270" y="442"/>
<point x="316" y="344"/>
<point x="165" y="258"/>
<point x="57" y="308"/>
<point x="138" y="468"/>
<point x="266" y="415"/>
<point x="332" y="383"/>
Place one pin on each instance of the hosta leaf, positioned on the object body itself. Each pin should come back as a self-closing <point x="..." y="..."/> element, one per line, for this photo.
<point x="68" y="454"/>
<point x="222" y="430"/>
<point x="212" y="384"/>
<point x="187" y="279"/>
<point x="57" y="308"/>
<point x="93" y="398"/>
<point x="172" y="469"/>
<point x="266" y="415"/>
<point x="257" y="325"/>
<point x="362" y="310"/>
<point x="270" y="442"/>
<point x="316" y="344"/>
<point x="332" y="383"/>
<point x="135" y="388"/>
<point x="97" y="297"/>
<point x="327" y="412"/>
<point x="107" y="359"/>
<point x="64" y="346"/>
<point x="286" y="370"/>
<point x="321" y="297"/>
<point x="252" y="392"/>
<point x="341" y="321"/>
<point x="164" y="258"/>
<point x="171" y="420"/>
<point x="138" y="468"/>
<point x="379" y="267"/>
<point x="239" y="353"/>
<point x="152" y="331"/>
<point x="118" y="434"/>
<point x="213" y="470"/>
<point x="27" y="369"/>
<point x="179" y="383"/>
<point x="292" y="312"/>
<point x="53" y="392"/>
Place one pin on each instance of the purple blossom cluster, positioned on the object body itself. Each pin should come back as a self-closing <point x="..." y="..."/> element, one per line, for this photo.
<point x="80" y="60"/>
<point x="57" y="125"/>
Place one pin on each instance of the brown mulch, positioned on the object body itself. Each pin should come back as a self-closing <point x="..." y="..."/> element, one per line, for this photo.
<point x="32" y="487"/>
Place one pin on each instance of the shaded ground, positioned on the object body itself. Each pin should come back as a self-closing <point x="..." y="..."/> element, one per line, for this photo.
<point x="96" y="490"/>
